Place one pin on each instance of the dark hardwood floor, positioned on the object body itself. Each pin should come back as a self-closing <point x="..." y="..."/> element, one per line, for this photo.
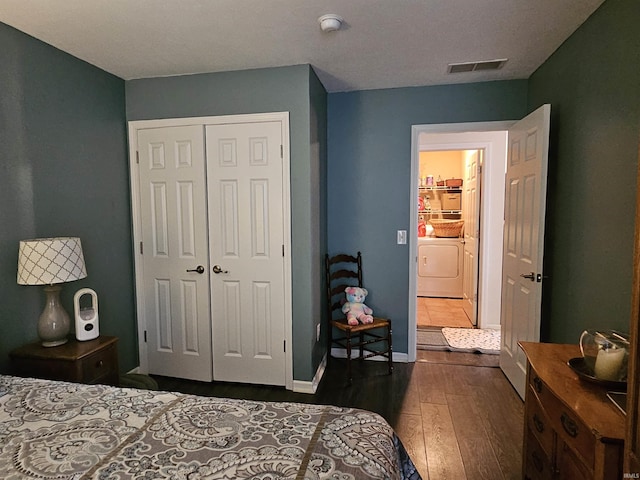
<point x="456" y="413"/>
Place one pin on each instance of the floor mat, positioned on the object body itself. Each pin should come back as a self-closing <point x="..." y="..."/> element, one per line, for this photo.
<point x="483" y="340"/>
<point x="431" y="339"/>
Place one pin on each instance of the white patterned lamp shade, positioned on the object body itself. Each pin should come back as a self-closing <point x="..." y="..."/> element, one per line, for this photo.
<point x="45" y="261"/>
<point x="49" y="261"/>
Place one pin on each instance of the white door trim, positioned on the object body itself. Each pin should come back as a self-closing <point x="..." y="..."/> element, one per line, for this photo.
<point x="446" y="128"/>
<point x="133" y="127"/>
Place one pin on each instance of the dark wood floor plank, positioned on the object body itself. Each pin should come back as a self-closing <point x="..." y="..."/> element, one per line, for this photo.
<point x="443" y="454"/>
<point x="503" y="419"/>
<point x="459" y="358"/>
<point x="411" y="397"/>
<point x="432" y="382"/>
<point x="477" y="452"/>
<point x="457" y="379"/>
<point x="481" y="376"/>
<point x="374" y="389"/>
<point x="409" y="430"/>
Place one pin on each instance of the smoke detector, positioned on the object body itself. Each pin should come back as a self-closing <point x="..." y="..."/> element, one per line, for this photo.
<point x="330" y="22"/>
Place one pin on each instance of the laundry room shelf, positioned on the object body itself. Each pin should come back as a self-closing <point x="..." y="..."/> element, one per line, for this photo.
<point x="437" y="212"/>
<point x="442" y="189"/>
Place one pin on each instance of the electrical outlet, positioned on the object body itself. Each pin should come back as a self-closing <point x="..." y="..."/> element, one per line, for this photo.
<point x="317" y="332"/>
<point x="402" y="237"/>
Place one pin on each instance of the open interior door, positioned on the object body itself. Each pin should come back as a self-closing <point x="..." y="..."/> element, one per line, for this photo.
<point x="471" y="213"/>
<point x="525" y="200"/>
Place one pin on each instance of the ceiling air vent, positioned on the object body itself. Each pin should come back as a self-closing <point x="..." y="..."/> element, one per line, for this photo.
<point x="476" y="66"/>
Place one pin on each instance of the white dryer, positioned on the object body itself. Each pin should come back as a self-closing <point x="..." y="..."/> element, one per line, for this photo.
<point x="440" y="267"/>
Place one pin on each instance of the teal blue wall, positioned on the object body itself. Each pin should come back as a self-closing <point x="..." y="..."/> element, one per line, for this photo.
<point x="593" y="84"/>
<point x="63" y="171"/>
<point x="369" y="174"/>
<point x="318" y="185"/>
<point x="255" y="91"/>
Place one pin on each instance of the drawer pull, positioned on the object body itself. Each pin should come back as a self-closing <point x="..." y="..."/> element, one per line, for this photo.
<point x="569" y="425"/>
<point x="539" y="424"/>
<point x="538" y="384"/>
<point x="99" y="363"/>
<point x="537" y="461"/>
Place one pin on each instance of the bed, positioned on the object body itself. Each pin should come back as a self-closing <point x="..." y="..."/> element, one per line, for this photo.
<point x="59" y="430"/>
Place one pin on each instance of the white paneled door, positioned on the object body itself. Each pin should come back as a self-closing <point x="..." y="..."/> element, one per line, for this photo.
<point x="246" y="242"/>
<point x="212" y="222"/>
<point x="525" y="200"/>
<point x="471" y="217"/>
<point x="174" y="251"/>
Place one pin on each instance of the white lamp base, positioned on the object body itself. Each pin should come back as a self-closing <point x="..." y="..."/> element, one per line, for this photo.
<point x="54" y="323"/>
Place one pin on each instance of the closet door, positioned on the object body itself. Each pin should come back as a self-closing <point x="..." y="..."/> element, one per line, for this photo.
<point x="246" y="237"/>
<point x="174" y="251"/>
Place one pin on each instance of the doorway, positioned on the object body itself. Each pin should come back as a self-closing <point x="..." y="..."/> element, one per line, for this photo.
<point x="490" y="137"/>
<point x="448" y="227"/>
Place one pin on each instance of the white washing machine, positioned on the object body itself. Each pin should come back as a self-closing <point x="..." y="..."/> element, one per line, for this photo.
<point x="440" y="267"/>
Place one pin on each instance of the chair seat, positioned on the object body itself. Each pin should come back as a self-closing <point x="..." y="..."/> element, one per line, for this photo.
<point x="344" y="326"/>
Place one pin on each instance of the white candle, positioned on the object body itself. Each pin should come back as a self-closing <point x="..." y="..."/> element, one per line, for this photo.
<point x="608" y="363"/>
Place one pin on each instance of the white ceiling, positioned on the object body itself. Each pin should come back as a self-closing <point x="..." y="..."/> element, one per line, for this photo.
<point x="383" y="43"/>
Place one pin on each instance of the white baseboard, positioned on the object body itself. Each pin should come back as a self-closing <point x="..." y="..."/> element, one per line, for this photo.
<point x="300" y="386"/>
<point x="491" y="326"/>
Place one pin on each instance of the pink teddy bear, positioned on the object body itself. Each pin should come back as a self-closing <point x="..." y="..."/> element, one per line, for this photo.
<point x="354" y="307"/>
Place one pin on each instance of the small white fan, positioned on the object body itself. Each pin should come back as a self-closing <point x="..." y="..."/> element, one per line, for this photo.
<point x="87" y="327"/>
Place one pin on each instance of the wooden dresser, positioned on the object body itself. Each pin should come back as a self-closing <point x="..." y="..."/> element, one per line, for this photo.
<point x="572" y="430"/>
<point x="93" y="361"/>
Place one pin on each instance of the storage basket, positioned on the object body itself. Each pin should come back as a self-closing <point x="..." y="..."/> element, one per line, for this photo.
<point x="447" y="228"/>
<point x="453" y="182"/>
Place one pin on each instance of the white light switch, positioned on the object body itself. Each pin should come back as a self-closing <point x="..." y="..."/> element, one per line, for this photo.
<point x="402" y="237"/>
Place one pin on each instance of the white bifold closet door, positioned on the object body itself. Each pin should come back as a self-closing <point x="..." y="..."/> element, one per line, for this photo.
<point x="173" y="214"/>
<point x="211" y="209"/>
<point x="244" y="171"/>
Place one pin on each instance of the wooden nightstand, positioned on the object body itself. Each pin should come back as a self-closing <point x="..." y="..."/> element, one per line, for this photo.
<point x="93" y="361"/>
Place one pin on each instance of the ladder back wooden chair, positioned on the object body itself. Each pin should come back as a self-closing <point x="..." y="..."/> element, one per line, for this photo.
<point x="344" y="271"/>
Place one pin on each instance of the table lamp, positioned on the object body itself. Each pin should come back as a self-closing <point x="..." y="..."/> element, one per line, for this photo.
<point x="51" y="261"/>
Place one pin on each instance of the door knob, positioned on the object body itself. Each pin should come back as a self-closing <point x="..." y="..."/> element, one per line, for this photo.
<point x="531" y="276"/>
<point x="217" y="269"/>
<point x="199" y="269"/>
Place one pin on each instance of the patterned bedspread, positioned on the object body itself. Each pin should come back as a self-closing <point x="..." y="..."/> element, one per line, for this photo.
<point x="58" y="430"/>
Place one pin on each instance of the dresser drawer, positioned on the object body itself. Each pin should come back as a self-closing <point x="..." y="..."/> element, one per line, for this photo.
<point x="30" y="367"/>
<point x="570" y="466"/>
<point x="537" y="465"/>
<point x="538" y="422"/>
<point x="99" y="366"/>
<point x="575" y="433"/>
